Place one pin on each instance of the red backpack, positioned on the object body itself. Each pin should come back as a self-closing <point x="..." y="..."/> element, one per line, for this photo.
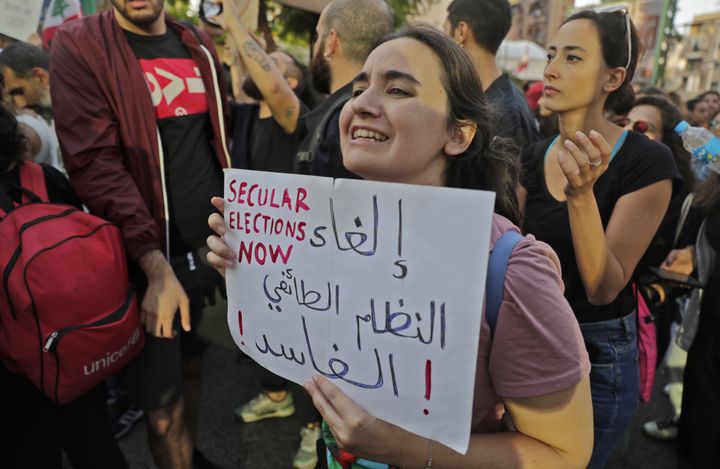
<point x="68" y="316"/>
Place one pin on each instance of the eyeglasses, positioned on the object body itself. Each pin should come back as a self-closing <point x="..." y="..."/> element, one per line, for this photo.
<point x="628" y="32"/>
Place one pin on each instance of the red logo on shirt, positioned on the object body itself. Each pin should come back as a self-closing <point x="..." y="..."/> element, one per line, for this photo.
<point x="175" y="86"/>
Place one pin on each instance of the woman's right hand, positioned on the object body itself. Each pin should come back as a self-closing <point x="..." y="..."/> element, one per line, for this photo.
<point x="681" y="261"/>
<point x="220" y="255"/>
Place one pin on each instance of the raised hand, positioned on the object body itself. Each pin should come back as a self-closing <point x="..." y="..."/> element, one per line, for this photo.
<point x="583" y="164"/>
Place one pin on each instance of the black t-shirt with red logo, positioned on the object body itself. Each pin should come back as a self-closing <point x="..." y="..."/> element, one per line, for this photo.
<point x="192" y="173"/>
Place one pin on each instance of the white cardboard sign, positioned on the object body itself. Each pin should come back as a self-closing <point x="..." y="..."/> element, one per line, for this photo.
<point x="378" y="287"/>
<point x="19" y="18"/>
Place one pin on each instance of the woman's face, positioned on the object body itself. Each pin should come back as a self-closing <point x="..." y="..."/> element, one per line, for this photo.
<point x="646" y="119"/>
<point x="713" y="102"/>
<point x="576" y="72"/>
<point x="394" y="128"/>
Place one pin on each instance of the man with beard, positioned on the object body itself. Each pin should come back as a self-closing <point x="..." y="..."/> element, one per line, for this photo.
<point x="139" y="108"/>
<point x="264" y="135"/>
<point x="25" y="69"/>
<point x="346" y="31"/>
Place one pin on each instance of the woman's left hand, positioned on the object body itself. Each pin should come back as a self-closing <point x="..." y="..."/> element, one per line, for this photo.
<point x="583" y="163"/>
<point x="354" y="429"/>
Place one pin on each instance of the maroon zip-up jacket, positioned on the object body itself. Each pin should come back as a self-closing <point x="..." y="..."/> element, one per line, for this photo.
<point x="107" y="128"/>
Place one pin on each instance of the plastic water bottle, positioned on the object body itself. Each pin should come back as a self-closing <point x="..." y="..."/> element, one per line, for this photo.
<point x="701" y="143"/>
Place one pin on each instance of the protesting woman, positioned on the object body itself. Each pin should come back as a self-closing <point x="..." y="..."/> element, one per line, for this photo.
<point x="597" y="194"/>
<point x="420" y="96"/>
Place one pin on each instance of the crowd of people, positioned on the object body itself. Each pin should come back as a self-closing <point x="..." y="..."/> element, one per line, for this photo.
<point x="133" y="116"/>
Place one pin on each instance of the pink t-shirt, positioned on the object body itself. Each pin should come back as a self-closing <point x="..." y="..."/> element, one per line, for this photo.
<point x="537" y="347"/>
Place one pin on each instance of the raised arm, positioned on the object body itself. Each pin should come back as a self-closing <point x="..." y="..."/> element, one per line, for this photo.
<point x="276" y="91"/>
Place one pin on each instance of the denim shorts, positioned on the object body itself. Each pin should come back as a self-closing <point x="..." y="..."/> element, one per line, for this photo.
<point x="614" y="381"/>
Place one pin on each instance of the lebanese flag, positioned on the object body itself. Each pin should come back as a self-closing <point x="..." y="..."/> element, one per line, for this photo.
<point x="57" y="13"/>
<point x="524" y="61"/>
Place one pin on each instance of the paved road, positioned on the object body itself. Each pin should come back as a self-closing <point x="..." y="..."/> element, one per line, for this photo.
<point x="271" y="444"/>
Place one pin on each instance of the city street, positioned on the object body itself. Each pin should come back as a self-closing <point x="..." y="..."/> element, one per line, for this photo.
<point x="271" y="443"/>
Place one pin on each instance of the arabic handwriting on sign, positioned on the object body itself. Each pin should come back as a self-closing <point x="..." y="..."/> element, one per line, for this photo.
<point x="344" y="368"/>
<point x="399" y="323"/>
<point x="392" y="374"/>
<point x="305" y="297"/>
<point x="355" y="239"/>
<point x="289" y="354"/>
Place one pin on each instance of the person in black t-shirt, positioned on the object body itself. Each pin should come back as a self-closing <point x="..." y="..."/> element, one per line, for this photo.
<point x="143" y="137"/>
<point x="479" y="26"/>
<point x="597" y="194"/>
<point x="346" y="31"/>
<point x="265" y="135"/>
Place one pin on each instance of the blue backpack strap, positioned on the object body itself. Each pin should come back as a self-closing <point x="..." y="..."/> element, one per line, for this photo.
<point x="495" y="282"/>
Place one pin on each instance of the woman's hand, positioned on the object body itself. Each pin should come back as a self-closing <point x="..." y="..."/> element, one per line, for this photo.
<point x="582" y="165"/>
<point x="220" y="255"/>
<point x="354" y="429"/>
<point x="681" y="261"/>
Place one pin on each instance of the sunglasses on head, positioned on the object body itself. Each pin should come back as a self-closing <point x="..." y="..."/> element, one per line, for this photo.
<point x="624" y="10"/>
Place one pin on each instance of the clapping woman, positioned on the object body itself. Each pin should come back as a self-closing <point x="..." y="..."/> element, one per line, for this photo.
<point x="596" y="194"/>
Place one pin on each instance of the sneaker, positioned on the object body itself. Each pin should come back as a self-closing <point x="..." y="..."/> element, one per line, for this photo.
<point x="262" y="407"/>
<point x="666" y="429"/>
<point x="306" y="456"/>
<point x="122" y="425"/>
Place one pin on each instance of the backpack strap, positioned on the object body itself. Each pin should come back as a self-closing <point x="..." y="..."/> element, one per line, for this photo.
<point x="304" y="159"/>
<point x="32" y="188"/>
<point x="495" y="282"/>
<point x="32" y="179"/>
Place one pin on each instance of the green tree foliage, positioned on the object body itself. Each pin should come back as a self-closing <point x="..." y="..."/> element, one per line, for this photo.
<point x="180" y="9"/>
<point x="292" y="25"/>
<point x="296" y="26"/>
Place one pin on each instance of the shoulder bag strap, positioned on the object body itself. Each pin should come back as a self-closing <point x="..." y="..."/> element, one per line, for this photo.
<point x="687" y="203"/>
<point x="495" y="282"/>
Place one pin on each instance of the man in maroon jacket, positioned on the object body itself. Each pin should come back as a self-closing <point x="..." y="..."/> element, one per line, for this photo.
<point x="139" y="110"/>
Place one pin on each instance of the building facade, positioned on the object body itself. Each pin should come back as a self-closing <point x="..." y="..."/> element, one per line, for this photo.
<point x="694" y="64"/>
<point x="537" y="20"/>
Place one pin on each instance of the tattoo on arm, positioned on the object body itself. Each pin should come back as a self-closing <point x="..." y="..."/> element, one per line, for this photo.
<point x="253" y="51"/>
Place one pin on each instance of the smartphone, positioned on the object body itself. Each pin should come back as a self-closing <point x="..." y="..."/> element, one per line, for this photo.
<point x="676" y="278"/>
<point x="209" y="9"/>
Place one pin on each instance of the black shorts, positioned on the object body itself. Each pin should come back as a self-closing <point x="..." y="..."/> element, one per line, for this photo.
<point x="154" y="378"/>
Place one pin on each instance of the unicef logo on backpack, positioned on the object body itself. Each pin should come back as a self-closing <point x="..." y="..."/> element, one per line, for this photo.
<point x="112" y="357"/>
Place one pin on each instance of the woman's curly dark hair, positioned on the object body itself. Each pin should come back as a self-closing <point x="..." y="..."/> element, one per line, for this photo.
<point x="12" y="142"/>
